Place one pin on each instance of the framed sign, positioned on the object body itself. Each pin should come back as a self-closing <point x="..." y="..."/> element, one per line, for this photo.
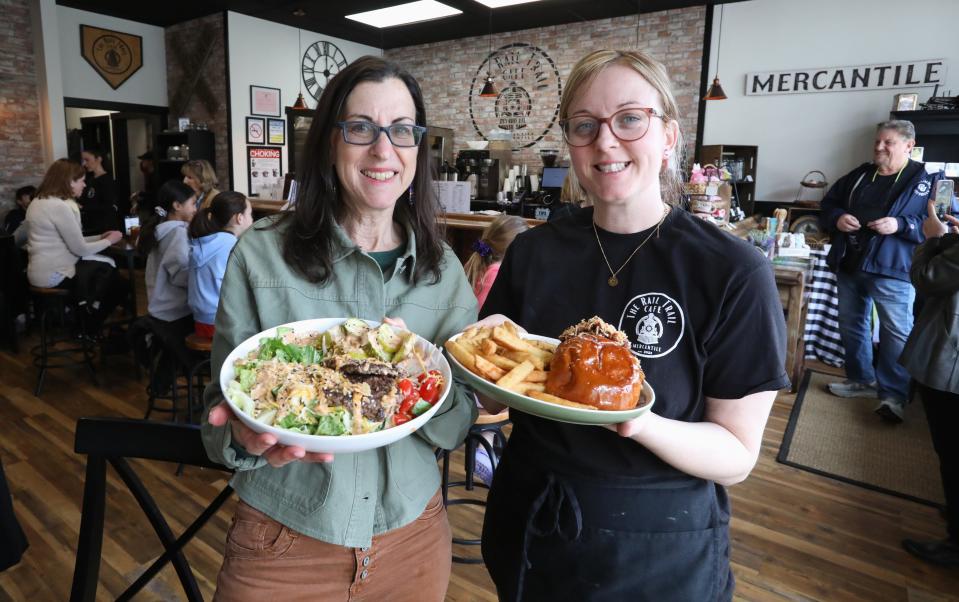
<point x="255" y="130"/>
<point x="265" y="171"/>
<point x="906" y="102"/>
<point x="276" y="131"/>
<point x="265" y="101"/>
<point x="114" y="55"/>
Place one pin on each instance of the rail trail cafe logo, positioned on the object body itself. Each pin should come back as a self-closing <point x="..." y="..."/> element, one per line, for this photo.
<point x="529" y="90"/>
<point x="654" y="323"/>
<point x="114" y="55"/>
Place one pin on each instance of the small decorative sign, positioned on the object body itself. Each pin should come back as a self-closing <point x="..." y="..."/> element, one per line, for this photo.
<point x="255" y="131"/>
<point x="276" y="131"/>
<point x="114" y="55"/>
<point x="265" y="101"/>
<point x="910" y="74"/>
<point x="529" y="90"/>
<point x="265" y="171"/>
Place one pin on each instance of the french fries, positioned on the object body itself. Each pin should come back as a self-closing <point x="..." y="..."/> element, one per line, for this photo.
<point x="500" y="355"/>
<point x="543" y="396"/>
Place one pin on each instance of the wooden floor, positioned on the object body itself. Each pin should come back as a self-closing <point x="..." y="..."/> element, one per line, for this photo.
<point x="796" y="536"/>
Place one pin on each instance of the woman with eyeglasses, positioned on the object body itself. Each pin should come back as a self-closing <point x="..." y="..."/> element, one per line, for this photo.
<point x="635" y="511"/>
<point x="361" y="241"/>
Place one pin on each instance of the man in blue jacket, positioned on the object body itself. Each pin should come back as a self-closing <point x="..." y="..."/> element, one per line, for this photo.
<point x="875" y="214"/>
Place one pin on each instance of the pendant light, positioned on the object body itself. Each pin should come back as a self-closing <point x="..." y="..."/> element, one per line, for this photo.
<point x="489" y="88"/>
<point x="715" y="91"/>
<point x="300" y="101"/>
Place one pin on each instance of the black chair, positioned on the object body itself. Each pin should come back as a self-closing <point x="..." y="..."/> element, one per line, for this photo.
<point x="114" y="440"/>
<point x="198" y="373"/>
<point x="14" y="295"/>
<point x="485" y="423"/>
<point x="63" y="341"/>
<point x="164" y="389"/>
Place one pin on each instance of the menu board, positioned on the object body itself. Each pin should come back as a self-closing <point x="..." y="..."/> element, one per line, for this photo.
<point x="265" y="171"/>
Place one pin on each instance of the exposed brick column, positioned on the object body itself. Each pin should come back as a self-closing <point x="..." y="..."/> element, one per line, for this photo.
<point x="186" y="35"/>
<point x="21" y="150"/>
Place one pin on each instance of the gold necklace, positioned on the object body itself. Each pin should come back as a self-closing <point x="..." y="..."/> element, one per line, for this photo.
<point x="613" y="281"/>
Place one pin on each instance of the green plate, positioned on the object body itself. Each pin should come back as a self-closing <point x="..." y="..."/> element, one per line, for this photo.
<point x="545" y="409"/>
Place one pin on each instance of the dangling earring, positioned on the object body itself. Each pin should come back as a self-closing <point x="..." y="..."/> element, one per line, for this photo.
<point x="411" y="198"/>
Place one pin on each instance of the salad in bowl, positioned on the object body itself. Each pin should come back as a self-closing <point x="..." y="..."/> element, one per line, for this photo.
<point x="335" y="385"/>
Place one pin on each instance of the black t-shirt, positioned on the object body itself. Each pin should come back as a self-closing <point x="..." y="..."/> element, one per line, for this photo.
<point x="98" y="210"/>
<point x="700" y="308"/>
<point x="13" y="219"/>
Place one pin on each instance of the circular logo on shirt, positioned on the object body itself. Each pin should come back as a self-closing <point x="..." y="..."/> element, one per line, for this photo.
<point x="654" y="323"/>
<point x="922" y="189"/>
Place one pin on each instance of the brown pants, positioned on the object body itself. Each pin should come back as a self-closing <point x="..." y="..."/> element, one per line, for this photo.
<point x="265" y="560"/>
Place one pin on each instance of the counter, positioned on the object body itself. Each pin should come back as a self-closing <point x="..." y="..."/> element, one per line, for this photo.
<point x="462" y="229"/>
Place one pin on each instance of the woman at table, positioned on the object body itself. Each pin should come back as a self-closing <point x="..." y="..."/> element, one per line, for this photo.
<point x="198" y="174"/>
<point x="636" y="511"/>
<point x="61" y="257"/>
<point x="362" y="241"/>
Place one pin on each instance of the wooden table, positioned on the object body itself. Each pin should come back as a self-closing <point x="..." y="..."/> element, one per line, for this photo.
<point x="791" y="283"/>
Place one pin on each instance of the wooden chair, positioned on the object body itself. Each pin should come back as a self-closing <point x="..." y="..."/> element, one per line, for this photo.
<point x="485" y="423"/>
<point x="114" y="440"/>
<point x="201" y="347"/>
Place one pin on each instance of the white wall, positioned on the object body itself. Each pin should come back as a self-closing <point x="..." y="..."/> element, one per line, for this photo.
<point x="828" y="131"/>
<point x="147" y="86"/>
<point x="268" y="54"/>
<point x="46" y="45"/>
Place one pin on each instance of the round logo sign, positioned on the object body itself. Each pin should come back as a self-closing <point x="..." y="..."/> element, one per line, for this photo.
<point x="112" y="54"/>
<point x="527" y="102"/>
<point x="654" y="323"/>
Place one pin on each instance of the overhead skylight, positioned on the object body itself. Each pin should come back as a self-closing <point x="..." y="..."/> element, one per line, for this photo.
<point x="403" y="14"/>
<point x="502" y="3"/>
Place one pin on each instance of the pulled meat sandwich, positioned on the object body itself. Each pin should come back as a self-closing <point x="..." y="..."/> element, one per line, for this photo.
<point x="593" y="365"/>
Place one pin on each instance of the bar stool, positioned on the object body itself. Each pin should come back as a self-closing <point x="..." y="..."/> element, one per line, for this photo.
<point x="485" y="423"/>
<point x="201" y="347"/>
<point x="59" y="347"/>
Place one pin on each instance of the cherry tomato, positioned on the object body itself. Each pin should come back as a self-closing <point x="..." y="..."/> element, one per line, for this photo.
<point x="400" y="418"/>
<point x="431" y="374"/>
<point x="407" y="404"/>
<point x="430" y="390"/>
<point x="406" y="387"/>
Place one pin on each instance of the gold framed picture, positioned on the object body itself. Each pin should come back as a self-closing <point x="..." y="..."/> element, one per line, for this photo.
<point x="906" y="102"/>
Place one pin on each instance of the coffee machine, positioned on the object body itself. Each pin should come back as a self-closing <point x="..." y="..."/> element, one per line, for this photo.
<point x="486" y="169"/>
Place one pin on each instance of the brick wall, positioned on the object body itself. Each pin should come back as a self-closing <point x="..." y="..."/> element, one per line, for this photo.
<point x="21" y="153"/>
<point x="183" y="44"/>
<point x="447" y="72"/>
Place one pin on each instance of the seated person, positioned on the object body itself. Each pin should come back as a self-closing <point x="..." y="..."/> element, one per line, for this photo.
<point x="212" y="233"/>
<point x="198" y="174"/>
<point x="15" y="216"/>
<point x="60" y="256"/>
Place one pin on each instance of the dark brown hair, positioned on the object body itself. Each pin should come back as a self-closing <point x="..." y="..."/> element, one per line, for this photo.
<point x="308" y="241"/>
<point x="217" y="216"/>
<point x="56" y="182"/>
<point x="172" y="191"/>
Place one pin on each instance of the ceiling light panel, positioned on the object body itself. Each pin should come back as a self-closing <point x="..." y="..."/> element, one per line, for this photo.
<point x="403" y="14"/>
<point x="502" y="3"/>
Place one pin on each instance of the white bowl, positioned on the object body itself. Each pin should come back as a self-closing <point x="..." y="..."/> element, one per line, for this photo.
<point x="477" y="144"/>
<point x="434" y="359"/>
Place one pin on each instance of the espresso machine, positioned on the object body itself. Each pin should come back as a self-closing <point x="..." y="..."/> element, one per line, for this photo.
<point x="485" y="168"/>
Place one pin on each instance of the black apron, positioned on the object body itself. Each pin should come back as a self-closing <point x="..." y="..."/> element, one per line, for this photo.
<point x="553" y="535"/>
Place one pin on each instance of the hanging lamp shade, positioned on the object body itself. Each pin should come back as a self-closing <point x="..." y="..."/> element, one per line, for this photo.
<point x="489" y="88"/>
<point x="715" y="91"/>
<point x="300" y="102"/>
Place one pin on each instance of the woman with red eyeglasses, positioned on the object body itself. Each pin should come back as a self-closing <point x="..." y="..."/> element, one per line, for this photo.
<point x="635" y="511"/>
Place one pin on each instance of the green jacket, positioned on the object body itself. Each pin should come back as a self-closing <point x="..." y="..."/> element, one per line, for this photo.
<point x="359" y="495"/>
<point x="931" y="354"/>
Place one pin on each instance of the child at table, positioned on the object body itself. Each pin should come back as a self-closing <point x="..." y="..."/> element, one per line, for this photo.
<point x="483" y="265"/>
<point x="213" y="232"/>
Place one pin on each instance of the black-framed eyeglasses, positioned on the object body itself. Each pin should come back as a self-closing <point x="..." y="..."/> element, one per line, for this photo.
<point x="627" y="125"/>
<point x="364" y="133"/>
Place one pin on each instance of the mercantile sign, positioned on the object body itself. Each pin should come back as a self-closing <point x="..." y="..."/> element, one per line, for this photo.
<point x="909" y="74"/>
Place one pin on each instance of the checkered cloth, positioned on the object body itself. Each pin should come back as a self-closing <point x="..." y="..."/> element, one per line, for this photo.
<point x="822" y="339"/>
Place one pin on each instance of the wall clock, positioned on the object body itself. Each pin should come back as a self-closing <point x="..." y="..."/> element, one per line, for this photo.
<point x="321" y="61"/>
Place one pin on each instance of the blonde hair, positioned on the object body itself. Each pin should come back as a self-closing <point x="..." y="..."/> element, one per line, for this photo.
<point x="654" y="72"/>
<point x="572" y="192"/>
<point x="498" y="236"/>
<point x="201" y="171"/>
